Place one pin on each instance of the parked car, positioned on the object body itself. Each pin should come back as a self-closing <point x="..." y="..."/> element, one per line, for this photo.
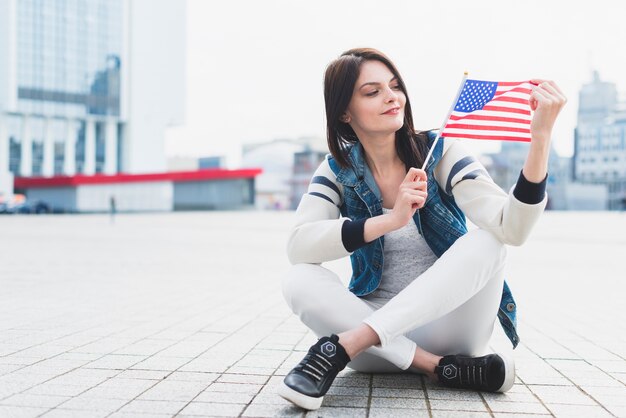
<point x="19" y="204"/>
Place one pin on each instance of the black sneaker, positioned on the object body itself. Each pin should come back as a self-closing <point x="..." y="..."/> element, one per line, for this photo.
<point x="307" y="383"/>
<point x="491" y="373"/>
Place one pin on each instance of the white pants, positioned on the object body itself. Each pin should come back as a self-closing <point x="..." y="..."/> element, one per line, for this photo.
<point x="449" y="309"/>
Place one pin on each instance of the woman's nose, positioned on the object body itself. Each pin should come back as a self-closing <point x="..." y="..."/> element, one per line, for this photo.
<point x="391" y="95"/>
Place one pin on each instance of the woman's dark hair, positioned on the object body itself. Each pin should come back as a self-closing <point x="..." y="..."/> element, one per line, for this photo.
<point x="339" y="80"/>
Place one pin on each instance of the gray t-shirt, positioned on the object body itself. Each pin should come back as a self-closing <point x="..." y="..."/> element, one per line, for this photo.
<point x="406" y="256"/>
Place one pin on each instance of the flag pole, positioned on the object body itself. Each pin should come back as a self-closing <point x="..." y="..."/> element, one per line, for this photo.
<point x="445" y="121"/>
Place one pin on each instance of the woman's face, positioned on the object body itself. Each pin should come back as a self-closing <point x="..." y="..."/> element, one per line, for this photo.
<point x="377" y="104"/>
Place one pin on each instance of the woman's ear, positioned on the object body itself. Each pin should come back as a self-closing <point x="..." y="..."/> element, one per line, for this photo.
<point x="345" y="118"/>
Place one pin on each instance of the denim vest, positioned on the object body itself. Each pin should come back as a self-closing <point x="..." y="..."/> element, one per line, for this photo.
<point x="440" y="222"/>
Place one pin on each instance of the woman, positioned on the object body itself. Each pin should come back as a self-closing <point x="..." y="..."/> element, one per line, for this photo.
<point x="424" y="292"/>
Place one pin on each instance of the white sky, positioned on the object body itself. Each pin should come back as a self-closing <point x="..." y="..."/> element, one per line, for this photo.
<point x="255" y="68"/>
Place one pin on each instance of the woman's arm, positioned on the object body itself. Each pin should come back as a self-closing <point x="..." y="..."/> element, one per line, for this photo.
<point x="319" y="232"/>
<point x="510" y="217"/>
<point x="546" y="100"/>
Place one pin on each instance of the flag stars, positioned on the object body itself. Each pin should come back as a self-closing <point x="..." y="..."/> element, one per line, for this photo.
<point x="474" y="95"/>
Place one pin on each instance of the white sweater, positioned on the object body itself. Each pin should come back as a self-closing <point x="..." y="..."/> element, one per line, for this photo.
<point x="316" y="236"/>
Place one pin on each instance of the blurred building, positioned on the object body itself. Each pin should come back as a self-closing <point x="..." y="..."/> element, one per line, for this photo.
<point x="210" y="189"/>
<point x="276" y="158"/>
<point x="600" y="141"/>
<point x="304" y="165"/>
<point x="88" y="88"/>
<point x="505" y="166"/>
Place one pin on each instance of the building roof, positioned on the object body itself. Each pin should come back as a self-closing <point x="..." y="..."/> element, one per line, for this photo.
<point x="174" y="176"/>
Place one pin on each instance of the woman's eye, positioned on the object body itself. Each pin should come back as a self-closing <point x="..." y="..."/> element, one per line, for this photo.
<point x="372" y="93"/>
<point x="396" y="87"/>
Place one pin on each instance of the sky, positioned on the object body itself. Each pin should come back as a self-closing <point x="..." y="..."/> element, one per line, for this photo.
<point x="255" y="68"/>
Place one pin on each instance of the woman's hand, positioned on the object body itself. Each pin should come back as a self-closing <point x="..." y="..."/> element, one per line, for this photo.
<point x="546" y="100"/>
<point x="411" y="197"/>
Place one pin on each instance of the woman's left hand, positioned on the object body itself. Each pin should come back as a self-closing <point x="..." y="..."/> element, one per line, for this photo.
<point x="546" y="100"/>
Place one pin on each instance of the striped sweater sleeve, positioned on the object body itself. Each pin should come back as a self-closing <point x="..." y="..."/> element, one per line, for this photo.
<point x="320" y="233"/>
<point x="510" y="217"/>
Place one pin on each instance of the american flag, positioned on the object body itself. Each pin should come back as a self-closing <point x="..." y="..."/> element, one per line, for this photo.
<point x="491" y="110"/>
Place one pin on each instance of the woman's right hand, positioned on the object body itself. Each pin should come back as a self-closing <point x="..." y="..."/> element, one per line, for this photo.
<point x="411" y="197"/>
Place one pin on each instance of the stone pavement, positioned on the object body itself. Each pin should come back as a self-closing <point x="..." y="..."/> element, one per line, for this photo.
<point x="181" y="314"/>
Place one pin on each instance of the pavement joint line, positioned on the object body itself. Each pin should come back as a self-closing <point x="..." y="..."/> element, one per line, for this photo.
<point x="579" y="335"/>
<point x="222" y="373"/>
<point x="581" y="359"/>
<point x="486" y="404"/>
<point x="570" y="380"/>
<point x="62" y="374"/>
<point x="129" y="367"/>
<point x="426" y="397"/>
<point x="369" y="395"/>
<point x="285" y="319"/>
<point x="535" y="395"/>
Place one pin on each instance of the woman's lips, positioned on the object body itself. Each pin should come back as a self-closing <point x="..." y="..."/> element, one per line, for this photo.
<point x="393" y="111"/>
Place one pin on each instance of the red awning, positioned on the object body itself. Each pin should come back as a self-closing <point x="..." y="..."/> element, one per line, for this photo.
<point x="174" y="176"/>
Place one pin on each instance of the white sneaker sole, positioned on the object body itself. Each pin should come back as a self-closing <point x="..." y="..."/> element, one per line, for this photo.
<point x="509" y="372"/>
<point x="297" y="398"/>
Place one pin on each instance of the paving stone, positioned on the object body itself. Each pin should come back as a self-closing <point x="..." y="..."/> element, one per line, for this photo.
<point x="348" y="391"/>
<point x="213" y="409"/>
<point x="270" y="411"/>
<point x="398" y="412"/>
<point x="144" y="374"/>
<point x="171" y="390"/>
<point x="116" y="361"/>
<point x="74" y="413"/>
<point x="57" y="390"/>
<point x="352" y="380"/>
<point x="242" y="378"/>
<point x="562" y="410"/>
<point x="511" y="396"/>
<point x="562" y="394"/>
<point x="453" y="405"/>
<point x="157" y="407"/>
<point x="349" y="401"/>
<point x="463" y="414"/>
<point x="397" y="393"/>
<point x="455" y="395"/>
<point x="37" y="401"/>
<point x="251" y="389"/>
<point x="225" y="397"/>
<point x="398" y="403"/>
<point x="271" y="398"/>
<point x="119" y="389"/>
<point x="161" y="363"/>
<point x="517" y="407"/>
<point x="193" y="377"/>
<point x="90" y="404"/>
<point x="332" y="412"/>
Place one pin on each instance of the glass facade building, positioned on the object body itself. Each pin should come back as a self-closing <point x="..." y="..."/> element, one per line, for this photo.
<point x="600" y="140"/>
<point x="67" y="103"/>
<point x="62" y="101"/>
<point x="69" y="57"/>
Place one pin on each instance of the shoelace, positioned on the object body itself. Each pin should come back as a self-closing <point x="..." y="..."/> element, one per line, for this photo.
<point x="470" y="376"/>
<point x="308" y="368"/>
